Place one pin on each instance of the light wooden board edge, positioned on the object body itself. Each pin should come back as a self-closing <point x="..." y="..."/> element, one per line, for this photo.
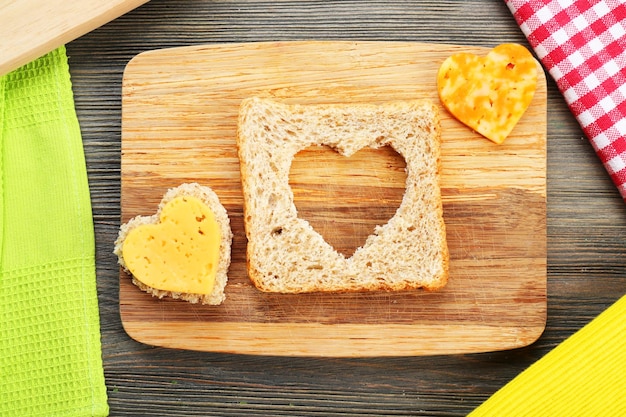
<point x="317" y="340"/>
<point x="32" y="28"/>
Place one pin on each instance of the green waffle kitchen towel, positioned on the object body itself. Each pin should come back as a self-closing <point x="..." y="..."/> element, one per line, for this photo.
<point x="50" y="352"/>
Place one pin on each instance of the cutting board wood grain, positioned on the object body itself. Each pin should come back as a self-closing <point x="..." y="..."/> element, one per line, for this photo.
<point x="179" y="115"/>
<point x="31" y="28"/>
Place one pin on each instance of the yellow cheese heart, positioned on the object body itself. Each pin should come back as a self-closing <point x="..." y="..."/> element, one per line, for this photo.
<point x="178" y="254"/>
<point x="489" y="94"/>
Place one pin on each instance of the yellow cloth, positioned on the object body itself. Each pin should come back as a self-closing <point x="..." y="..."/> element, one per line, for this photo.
<point x="583" y="376"/>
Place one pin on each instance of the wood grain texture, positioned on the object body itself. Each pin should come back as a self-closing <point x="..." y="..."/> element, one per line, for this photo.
<point x="31" y="28"/>
<point x="585" y="222"/>
<point x="179" y="119"/>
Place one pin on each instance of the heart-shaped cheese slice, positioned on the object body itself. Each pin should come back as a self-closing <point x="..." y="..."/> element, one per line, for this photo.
<point x="489" y="94"/>
<point x="180" y="253"/>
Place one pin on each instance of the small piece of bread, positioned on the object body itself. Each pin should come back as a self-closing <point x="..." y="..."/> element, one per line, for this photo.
<point x="285" y="254"/>
<point x="207" y="196"/>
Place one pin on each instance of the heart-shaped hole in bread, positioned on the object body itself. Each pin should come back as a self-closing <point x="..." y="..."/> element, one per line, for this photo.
<point x="345" y="198"/>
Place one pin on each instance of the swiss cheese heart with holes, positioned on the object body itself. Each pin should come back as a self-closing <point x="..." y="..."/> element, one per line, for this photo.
<point x="489" y="94"/>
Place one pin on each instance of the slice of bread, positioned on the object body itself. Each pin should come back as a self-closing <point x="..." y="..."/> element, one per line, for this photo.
<point x="285" y="254"/>
<point x="208" y="197"/>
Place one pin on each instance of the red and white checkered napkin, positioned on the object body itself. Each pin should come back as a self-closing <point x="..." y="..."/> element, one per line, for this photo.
<point x="582" y="44"/>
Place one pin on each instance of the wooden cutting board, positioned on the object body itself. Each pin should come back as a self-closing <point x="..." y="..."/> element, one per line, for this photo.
<point x="179" y="125"/>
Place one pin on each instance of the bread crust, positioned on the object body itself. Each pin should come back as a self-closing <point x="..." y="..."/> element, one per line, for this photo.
<point x="208" y="197"/>
<point x="285" y="254"/>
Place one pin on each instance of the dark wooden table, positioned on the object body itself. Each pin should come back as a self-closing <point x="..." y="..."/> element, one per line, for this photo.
<point x="586" y="223"/>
